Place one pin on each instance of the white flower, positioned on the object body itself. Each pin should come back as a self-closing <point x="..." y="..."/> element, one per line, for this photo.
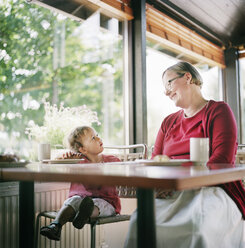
<point x="58" y="123"/>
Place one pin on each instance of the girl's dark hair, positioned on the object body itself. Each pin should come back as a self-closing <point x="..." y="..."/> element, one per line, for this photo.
<point x="74" y="139"/>
<point x="183" y="67"/>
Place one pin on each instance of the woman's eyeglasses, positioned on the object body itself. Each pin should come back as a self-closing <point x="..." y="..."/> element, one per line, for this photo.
<point x="168" y="86"/>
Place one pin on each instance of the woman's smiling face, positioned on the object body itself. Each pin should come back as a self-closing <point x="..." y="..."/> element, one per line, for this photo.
<point x="176" y="87"/>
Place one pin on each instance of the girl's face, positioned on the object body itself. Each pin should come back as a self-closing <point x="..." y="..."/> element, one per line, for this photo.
<point x="176" y="87"/>
<point x="92" y="144"/>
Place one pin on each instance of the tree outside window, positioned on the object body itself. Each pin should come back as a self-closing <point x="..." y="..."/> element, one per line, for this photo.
<point x="45" y="56"/>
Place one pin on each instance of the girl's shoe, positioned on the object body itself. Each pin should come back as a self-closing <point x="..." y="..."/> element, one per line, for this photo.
<point x="85" y="211"/>
<point x="51" y="231"/>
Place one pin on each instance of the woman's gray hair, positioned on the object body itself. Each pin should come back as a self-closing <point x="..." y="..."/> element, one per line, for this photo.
<point x="183" y="67"/>
<point x="74" y="139"/>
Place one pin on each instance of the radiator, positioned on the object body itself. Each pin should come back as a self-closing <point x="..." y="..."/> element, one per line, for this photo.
<point x="9" y="215"/>
<point x="48" y="196"/>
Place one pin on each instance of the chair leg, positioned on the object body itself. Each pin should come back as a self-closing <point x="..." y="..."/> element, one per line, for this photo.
<point x="37" y="231"/>
<point x="93" y="235"/>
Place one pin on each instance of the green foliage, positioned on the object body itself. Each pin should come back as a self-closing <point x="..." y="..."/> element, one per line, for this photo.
<point x="29" y="35"/>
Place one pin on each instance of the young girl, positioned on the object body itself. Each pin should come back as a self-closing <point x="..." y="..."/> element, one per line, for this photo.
<point x="85" y="201"/>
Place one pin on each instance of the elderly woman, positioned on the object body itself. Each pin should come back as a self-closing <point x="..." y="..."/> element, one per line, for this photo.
<point x="209" y="216"/>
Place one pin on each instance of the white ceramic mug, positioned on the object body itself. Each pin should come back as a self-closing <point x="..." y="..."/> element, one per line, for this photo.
<point x="199" y="149"/>
<point x="44" y="151"/>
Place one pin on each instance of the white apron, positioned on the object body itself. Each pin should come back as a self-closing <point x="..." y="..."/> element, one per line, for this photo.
<point x="201" y="218"/>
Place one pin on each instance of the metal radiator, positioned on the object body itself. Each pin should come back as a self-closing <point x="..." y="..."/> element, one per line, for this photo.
<point x="9" y="215"/>
<point x="48" y="196"/>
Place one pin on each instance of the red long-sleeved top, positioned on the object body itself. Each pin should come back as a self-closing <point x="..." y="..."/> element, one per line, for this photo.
<point x="215" y="121"/>
<point x="108" y="193"/>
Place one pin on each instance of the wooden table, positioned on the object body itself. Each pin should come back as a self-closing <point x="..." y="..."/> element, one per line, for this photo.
<point x="144" y="175"/>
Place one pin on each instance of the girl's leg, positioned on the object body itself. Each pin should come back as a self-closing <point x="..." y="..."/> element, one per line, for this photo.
<point x="92" y="208"/>
<point x="102" y="208"/>
<point x="85" y="211"/>
<point x="65" y="214"/>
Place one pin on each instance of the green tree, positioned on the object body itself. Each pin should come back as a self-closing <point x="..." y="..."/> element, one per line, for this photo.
<point x="42" y="58"/>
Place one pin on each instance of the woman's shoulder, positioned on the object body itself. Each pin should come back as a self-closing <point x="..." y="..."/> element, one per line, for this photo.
<point x="218" y="110"/>
<point x="215" y="105"/>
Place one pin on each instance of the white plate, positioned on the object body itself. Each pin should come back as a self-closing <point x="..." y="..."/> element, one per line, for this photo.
<point x="12" y="164"/>
<point x="62" y="161"/>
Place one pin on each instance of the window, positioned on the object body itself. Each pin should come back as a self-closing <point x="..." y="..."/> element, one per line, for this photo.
<point x="242" y="82"/>
<point x="45" y="56"/>
<point x="158" y="104"/>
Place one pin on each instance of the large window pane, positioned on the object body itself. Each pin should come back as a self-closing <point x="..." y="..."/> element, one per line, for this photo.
<point x="47" y="57"/>
<point x="158" y="104"/>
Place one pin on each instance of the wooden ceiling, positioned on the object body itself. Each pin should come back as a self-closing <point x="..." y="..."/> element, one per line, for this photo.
<point x="221" y="21"/>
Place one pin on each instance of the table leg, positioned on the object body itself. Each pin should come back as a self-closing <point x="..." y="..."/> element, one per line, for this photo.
<point x="146" y="225"/>
<point x="26" y="215"/>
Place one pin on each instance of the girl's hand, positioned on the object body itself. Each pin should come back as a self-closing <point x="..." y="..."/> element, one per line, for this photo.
<point x="74" y="155"/>
<point x="70" y="155"/>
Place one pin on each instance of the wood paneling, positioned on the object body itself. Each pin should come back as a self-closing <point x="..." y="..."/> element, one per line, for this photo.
<point x="116" y="8"/>
<point x="119" y="9"/>
<point x="242" y="54"/>
<point x="178" y="38"/>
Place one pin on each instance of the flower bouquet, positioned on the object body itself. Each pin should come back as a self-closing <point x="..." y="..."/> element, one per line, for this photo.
<point x="59" y="122"/>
